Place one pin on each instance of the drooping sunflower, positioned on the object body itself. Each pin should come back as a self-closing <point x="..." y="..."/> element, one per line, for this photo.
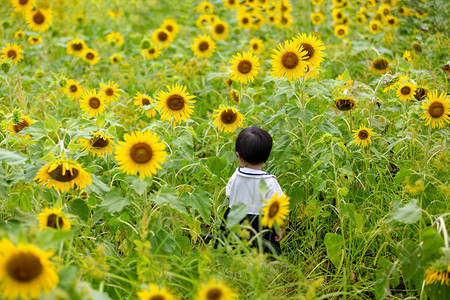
<point x="219" y="30"/>
<point x="276" y="210"/>
<point x="63" y="175"/>
<point x="19" y="35"/>
<point x="256" y="45"/>
<point x="34" y="40"/>
<point x="313" y="47"/>
<point x="171" y="26"/>
<point x="317" y="17"/>
<point x="162" y="37"/>
<point x="421" y="93"/>
<point x="407" y="56"/>
<point x="345" y="103"/>
<point x="143" y="100"/>
<point x="140" y="152"/>
<point x="203" y="46"/>
<point x="99" y="144"/>
<point x="289" y="61"/>
<point x="340" y="31"/>
<point x="91" y="56"/>
<point x="245" y="20"/>
<point x="406" y="90"/>
<point x="25" y="271"/>
<point x="39" y="19"/>
<point x="437" y="109"/>
<point x="110" y="91"/>
<point x="116" y="38"/>
<point x="76" y="47"/>
<point x="228" y="118"/>
<point x="440" y="275"/>
<point x="155" y="293"/>
<point x="380" y="65"/>
<point x="115" y="58"/>
<point x="12" y="51"/>
<point x="53" y="218"/>
<point x="244" y="67"/>
<point x="175" y="103"/>
<point x="215" y="290"/>
<point x="152" y="53"/>
<point x="375" y="26"/>
<point x="22" y="6"/>
<point x="73" y="89"/>
<point x="92" y="102"/>
<point x="24" y="122"/>
<point x="362" y="136"/>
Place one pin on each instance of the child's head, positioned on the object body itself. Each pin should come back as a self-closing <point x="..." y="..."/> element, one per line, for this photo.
<point x="253" y="145"/>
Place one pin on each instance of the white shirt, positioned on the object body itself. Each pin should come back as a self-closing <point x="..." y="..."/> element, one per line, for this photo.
<point x="242" y="188"/>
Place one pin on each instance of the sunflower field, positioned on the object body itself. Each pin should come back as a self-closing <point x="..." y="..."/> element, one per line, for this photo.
<point x="117" y="140"/>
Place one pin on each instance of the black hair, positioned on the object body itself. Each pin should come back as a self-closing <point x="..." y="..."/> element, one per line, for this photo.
<point x="254" y="145"/>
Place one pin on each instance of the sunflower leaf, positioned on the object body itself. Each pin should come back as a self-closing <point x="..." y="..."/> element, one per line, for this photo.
<point x="407" y="214"/>
<point x="334" y="243"/>
<point x="12" y="158"/>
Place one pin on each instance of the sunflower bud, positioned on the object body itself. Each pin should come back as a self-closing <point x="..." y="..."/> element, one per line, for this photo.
<point x="5" y="24"/>
<point x="145" y="44"/>
<point x="234" y="95"/>
<point x="5" y="66"/>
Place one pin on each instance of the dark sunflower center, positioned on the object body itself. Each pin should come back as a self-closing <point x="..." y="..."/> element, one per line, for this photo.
<point x="244" y="67"/>
<point x="406" y="90"/>
<point x="100" y="143"/>
<point x="94" y="102"/>
<point x="23" y="2"/>
<point x="219" y="28"/>
<point x="255" y="46"/>
<point x="309" y="49"/>
<point x="273" y="209"/>
<point x="391" y="21"/>
<point x="109" y="91"/>
<point x="203" y="46"/>
<point x="245" y="20"/>
<point x="35" y="39"/>
<point x="73" y="88"/>
<point x="169" y="28"/>
<point x="175" y="102"/>
<point x="386" y="11"/>
<point x="345" y="104"/>
<point x="90" y="56"/>
<point x="284" y="20"/>
<point x="420" y="94"/>
<point x="77" y="46"/>
<point x="289" y="60"/>
<point x="374" y="26"/>
<point x="214" y="294"/>
<point x="151" y="51"/>
<point x="380" y="64"/>
<point x="38" y="18"/>
<point x="341" y="32"/>
<point x="436" y="109"/>
<point x="141" y="153"/>
<point x="231" y="2"/>
<point x="57" y="175"/>
<point x="162" y="36"/>
<point x="145" y="101"/>
<point x="228" y="116"/>
<point x="21" y="125"/>
<point x="115" y="59"/>
<point x="316" y="18"/>
<point x="12" y="53"/>
<point x="338" y="15"/>
<point x="363" y="134"/>
<point x="24" y="267"/>
<point x="55" y="221"/>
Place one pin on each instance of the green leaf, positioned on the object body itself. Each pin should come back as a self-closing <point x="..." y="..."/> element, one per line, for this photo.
<point x="97" y="186"/>
<point x="3" y="184"/>
<point x="327" y="127"/>
<point x="162" y="242"/>
<point x="138" y="185"/>
<point x="167" y="195"/>
<point x="80" y="208"/>
<point x="431" y="245"/>
<point x="113" y="201"/>
<point x="12" y="158"/>
<point x="334" y="243"/>
<point x="237" y="212"/>
<point x="407" y="214"/>
<point x="200" y="201"/>
<point x="348" y="210"/>
<point x="216" y="164"/>
<point x="51" y="124"/>
<point x="35" y="130"/>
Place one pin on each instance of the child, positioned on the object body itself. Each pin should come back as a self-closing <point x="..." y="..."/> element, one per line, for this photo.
<point x="253" y="146"/>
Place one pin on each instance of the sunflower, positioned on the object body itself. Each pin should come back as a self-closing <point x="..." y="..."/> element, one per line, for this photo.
<point x="256" y="46"/>
<point x="175" y="103"/>
<point x="284" y="21"/>
<point x="313" y="47"/>
<point x="271" y="18"/>
<point x="25" y="271"/>
<point x="76" y="47"/>
<point x="99" y="144"/>
<point x="244" y="67"/>
<point x="215" y="290"/>
<point x="203" y="46"/>
<point x="380" y="65"/>
<point x="389" y="84"/>
<point x="227" y="118"/>
<point x="340" y="31"/>
<point x="152" y="53"/>
<point x="361" y="19"/>
<point x="163" y="37"/>
<point x="202" y="21"/>
<point x="39" y="19"/>
<point x="155" y="293"/>
<point x="289" y="61"/>
<point x="385" y="9"/>
<point x="276" y="210"/>
<point x="345" y="103"/>
<point x="406" y="90"/>
<point x="53" y="218"/>
<point x="115" y="58"/>
<point x="205" y="8"/>
<point x="73" y="89"/>
<point x="92" y="103"/>
<point x="13" y="52"/>
<point x="63" y="175"/>
<point x="34" y="40"/>
<point x="317" y="17"/>
<point x="219" y="30"/>
<point x="317" y="2"/>
<point x="19" y="35"/>
<point x="337" y="15"/>
<point x="375" y="26"/>
<point x="91" y="56"/>
<point x="114" y="14"/>
<point x="407" y="56"/>
<point x="143" y="100"/>
<point x="362" y="136"/>
<point x="245" y="20"/>
<point x="441" y="276"/>
<point x="257" y="21"/>
<point x="140" y="152"/>
<point x="24" y="122"/>
<point x="22" y="6"/>
<point x="110" y="91"/>
<point x="437" y="109"/>
<point x="171" y="26"/>
<point x="115" y="38"/>
<point x="231" y="4"/>
<point x="391" y="21"/>
<point x="421" y="93"/>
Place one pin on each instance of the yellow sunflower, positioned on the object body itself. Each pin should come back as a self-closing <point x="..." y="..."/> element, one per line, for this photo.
<point x="380" y="66"/>
<point x="437" y="109"/>
<point x="244" y="67"/>
<point x="271" y="19"/>
<point x="76" y="47"/>
<point x="257" y="21"/>
<point x="143" y="100"/>
<point x="205" y="8"/>
<point x="99" y="144"/>
<point x="289" y="61"/>
<point x="152" y="53"/>
<point x="276" y="210"/>
<point x="390" y="83"/>
<point x="439" y="276"/>
<point x="175" y="103"/>
<point x="39" y="19"/>
<point x="256" y="46"/>
<point x="91" y="56"/>
<point x="140" y="152"/>
<point x="92" y="103"/>
<point x="53" y="218"/>
<point x="202" y="21"/>
<point x="114" y="14"/>
<point x="219" y="30"/>
<point x="25" y="271"/>
<point x="155" y="293"/>
<point x="313" y="47"/>
<point x="391" y="21"/>
<point x="317" y="17"/>
<point x="63" y="175"/>
<point x="375" y="26"/>
<point x="171" y="26"/>
<point x="13" y="52"/>
<point x="110" y="91"/>
<point x="203" y="46"/>
<point x="34" y="40"/>
<point x="116" y="38"/>
<point x="362" y="136"/>
<point x="340" y="31"/>
<point x="73" y="89"/>
<point x="284" y="21"/>
<point x="24" y="122"/>
<point x="115" y="58"/>
<point x="361" y="19"/>
<point x="245" y="20"/>
<point x="231" y="4"/>
<point x="22" y="6"/>
<point x="162" y="37"/>
<point x="406" y="90"/>
<point x="19" y="35"/>
<point x="227" y="118"/>
<point x="215" y="290"/>
<point x="407" y="56"/>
